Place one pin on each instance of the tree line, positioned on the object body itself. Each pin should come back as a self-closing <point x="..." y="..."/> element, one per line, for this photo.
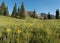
<point x="21" y="12"/>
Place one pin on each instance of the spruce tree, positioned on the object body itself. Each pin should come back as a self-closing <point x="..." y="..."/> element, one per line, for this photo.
<point x="49" y="17"/>
<point x="18" y="11"/>
<point x="6" y="11"/>
<point x="3" y="7"/>
<point x="57" y="14"/>
<point x="0" y="12"/>
<point x="14" y="11"/>
<point x="22" y="13"/>
<point x="34" y="14"/>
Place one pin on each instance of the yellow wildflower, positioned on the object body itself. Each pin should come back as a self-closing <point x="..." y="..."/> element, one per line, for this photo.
<point x="8" y="30"/>
<point x="18" y="31"/>
<point x="30" y="25"/>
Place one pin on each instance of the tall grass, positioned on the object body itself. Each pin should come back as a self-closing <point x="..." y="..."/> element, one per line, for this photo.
<point x="29" y="30"/>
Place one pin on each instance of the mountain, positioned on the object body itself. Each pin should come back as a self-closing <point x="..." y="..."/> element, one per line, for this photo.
<point x="45" y="15"/>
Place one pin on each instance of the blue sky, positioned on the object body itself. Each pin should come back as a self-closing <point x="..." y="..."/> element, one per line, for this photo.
<point x="40" y="5"/>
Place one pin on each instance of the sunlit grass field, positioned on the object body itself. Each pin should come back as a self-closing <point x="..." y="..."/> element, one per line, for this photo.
<point x="29" y="30"/>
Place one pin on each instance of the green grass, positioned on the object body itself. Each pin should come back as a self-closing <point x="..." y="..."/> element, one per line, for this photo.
<point x="30" y="30"/>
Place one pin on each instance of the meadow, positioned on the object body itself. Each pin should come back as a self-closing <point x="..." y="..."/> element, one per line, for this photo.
<point x="29" y="30"/>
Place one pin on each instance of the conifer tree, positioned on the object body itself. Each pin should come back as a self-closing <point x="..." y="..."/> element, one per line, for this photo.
<point x="57" y="14"/>
<point x="0" y="12"/>
<point x="6" y="11"/>
<point x="3" y="7"/>
<point x="14" y="11"/>
<point x="22" y="13"/>
<point x="49" y="17"/>
<point x="18" y="11"/>
<point x="34" y="14"/>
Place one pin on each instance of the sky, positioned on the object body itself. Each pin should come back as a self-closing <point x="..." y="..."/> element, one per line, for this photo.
<point x="39" y="5"/>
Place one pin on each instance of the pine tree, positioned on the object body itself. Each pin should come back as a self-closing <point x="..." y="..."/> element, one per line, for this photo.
<point x="57" y="14"/>
<point x="34" y="14"/>
<point x="6" y="11"/>
<point x="49" y="17"/>
<point x="22" y="13"/>
<point x="14" y="11"/>
<point x="18" y="11"/>
<point x="3" y="7"/>
<point x="0" y="11"/>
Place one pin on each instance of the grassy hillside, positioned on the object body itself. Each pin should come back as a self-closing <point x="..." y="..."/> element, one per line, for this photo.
<point x="29" y="30"/>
